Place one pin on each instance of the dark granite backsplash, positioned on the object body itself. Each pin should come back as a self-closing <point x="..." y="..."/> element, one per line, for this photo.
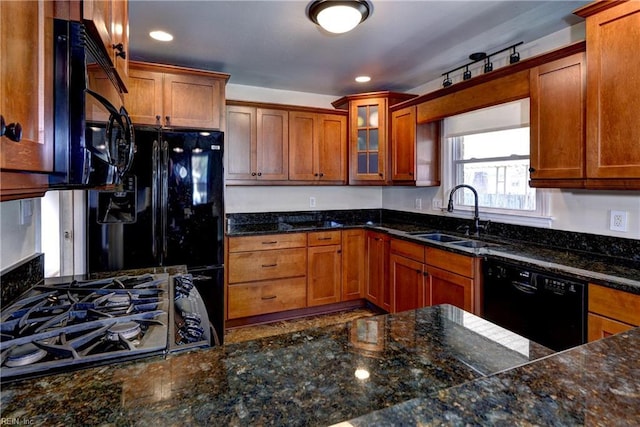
<point x="621" y="250"/>
<point x="20" y="278"/>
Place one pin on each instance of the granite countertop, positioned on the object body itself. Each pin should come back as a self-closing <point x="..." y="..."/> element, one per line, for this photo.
<point x="590" y="267"/>
<point x="433" y="366"/>
<point x="302" y="378"/>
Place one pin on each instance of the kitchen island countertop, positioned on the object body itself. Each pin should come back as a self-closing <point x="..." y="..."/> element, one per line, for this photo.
<point x="437" y="365"/>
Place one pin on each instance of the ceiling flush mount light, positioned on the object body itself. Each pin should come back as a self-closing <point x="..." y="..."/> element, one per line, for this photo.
<point x="338" y="16"/>
<point x="363" y="79"/>
<point x="161" y="36"/>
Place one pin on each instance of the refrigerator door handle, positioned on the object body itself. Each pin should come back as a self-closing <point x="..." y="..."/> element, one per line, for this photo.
<point x="154" y="197"/>
<point x="165" y="196"/>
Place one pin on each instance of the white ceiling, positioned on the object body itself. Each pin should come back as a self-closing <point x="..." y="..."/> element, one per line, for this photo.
<point x="272" y="44"/>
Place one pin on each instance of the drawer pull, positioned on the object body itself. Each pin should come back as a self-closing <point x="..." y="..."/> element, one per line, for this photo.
<point x="269" y="297"/>
<point x="324" y="238"/>
<point x="273" y="242"/>
<point x="269" y="265"/>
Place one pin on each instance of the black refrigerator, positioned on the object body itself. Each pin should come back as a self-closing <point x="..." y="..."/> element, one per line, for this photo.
<point x="168" y="211"/>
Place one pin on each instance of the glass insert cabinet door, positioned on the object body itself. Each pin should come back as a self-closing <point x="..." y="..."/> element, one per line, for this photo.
<point x="368" y="139"/>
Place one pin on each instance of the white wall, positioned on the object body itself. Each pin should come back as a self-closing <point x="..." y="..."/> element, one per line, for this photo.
<point x="18" y="240"/>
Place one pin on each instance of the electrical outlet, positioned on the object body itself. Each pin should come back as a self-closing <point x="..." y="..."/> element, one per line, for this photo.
<point x="618" y="221"/>
<point x="312" y="202"/>
<point x="418" y="204"/>
<point x="436" y="204"/>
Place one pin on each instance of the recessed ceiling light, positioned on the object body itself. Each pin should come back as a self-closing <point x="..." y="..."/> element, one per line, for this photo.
<point x="363" y="79"/>
<point x="161" y="36"/>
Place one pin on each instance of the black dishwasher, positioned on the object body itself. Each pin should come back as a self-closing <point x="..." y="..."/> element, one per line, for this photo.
<point x="548" y="309"/>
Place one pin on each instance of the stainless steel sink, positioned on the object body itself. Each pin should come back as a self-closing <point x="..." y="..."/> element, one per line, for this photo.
<point x="438" y="237"/>
<point x="472" y="244"/>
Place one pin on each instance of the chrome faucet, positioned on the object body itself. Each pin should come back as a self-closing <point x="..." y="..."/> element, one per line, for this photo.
<point x="476" y="214"/>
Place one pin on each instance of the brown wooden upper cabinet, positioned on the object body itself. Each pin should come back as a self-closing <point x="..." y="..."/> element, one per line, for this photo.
<point x="369" y="149"/>
<point x="257" y="143"/>
<point x="415" y="149"/>
<point x="170" y="96"/>
<point x="558" y="122"/>
<point x="613" y="93"/>
<point x="108" y="20"/>
<point x="26" y="97"/>
<point x="317" y="147"/>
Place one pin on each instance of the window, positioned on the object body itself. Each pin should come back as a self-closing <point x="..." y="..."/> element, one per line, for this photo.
<point x="489" y="150"/>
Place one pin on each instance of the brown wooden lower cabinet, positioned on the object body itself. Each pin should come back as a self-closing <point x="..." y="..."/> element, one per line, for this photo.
<point x="252" y="299"/>
<point x="378" y="289"/>
<point x="450" y="288"/>
<point x="324" y="275"/>
<point x="408" y="283"/>
<point x="353" y="264"/>
<point x="611" y="311"/>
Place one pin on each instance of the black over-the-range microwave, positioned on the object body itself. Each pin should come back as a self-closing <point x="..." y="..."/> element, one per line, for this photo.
<point x="93" y="138"/>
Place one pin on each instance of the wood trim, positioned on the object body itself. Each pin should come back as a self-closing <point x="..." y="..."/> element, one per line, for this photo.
<point x="173" y="69"/>
<point x="392" y="97"/>
<point x="525" y="64"/>
<point x="505" y="89"/>
<point x="597" y="7"/>
<point x="273" y="106"/>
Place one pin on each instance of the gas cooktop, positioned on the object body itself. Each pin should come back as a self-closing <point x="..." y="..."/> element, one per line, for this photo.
<point x="62" y="326"/>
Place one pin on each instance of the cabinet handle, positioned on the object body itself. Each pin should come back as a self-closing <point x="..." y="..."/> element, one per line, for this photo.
<point x="418" y="271"/>
<point x="410" y="173"/>
<point x="3" y="126"/>
<point x="315" y="174"/>
<point x="120" y="50"/>
<point x="532" y="170"/>
<point x="253" y="174"/>
<point x="269" y="297"/>
<point x="425" y="274"/>
<point x="324" y="238"/>
<point x="321" y="174"/>
<point x="339" y="251"/>
<point x="167" y="119"/>
<point x="13" y="131"/>
<point x="259" y="173"/>
<point x="269" y="265"/>
<point x="380" y="173"/>
<point x="272" y="242"/>
<point x="158" y="119"/>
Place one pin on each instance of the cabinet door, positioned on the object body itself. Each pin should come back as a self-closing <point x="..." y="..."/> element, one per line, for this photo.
<point x="192" y="101"/>
<point x="323" y="275"/>
<point x="376" y="269"/>
<point x="331" y="147"/>
<point x="353" y="264"/>
<point x="613" y="92"/>
<point x="240" y="143"/>
<point x="108" y="20"/>
<point x="303" y="162"/>
<point x="450" y="288"/>
<point x="272" y="144"/>
<point x="407" y="283"/>
<point x="557" y="118"/>
<point x="368" y="140"/>
<point x="403" y="144"/>
<point x="26" y="86"/>
<point x="144" y="99"/>
<point x="601" y="327"/>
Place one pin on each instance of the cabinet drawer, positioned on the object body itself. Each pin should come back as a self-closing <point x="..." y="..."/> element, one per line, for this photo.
<point x="323" y="238"/>
<point x="268" y="241"/>
<point x="253" y="299"/>
<point x="265" y="265"/>
<point x="449" y="261"/>
<point x="409" y="250"/>
<point x="615" y="304"/>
